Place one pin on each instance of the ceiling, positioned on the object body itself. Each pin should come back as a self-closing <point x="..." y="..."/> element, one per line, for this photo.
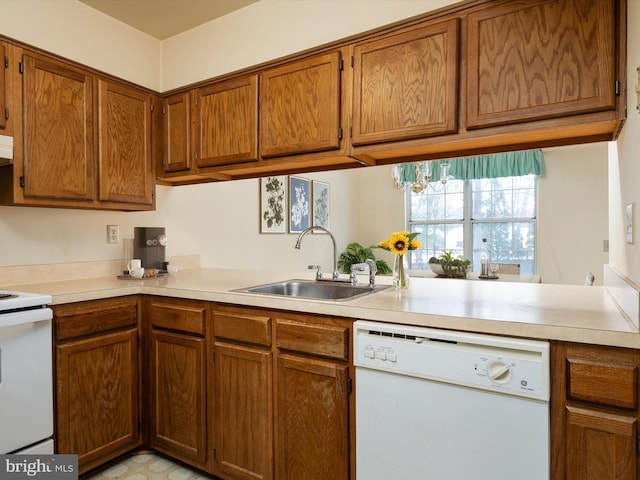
<point x="165" y="18"/>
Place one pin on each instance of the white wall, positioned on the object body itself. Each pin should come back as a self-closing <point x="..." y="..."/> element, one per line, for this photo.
<point x="624" y="165"/>
<point x="219" y="221"/>
<point x="573" y="214"/>
<point x="74" y="30"/>
<point x="271" y="29"/>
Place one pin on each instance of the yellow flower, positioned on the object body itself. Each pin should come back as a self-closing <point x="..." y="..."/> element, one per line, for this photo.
<point x="398" y="243"/>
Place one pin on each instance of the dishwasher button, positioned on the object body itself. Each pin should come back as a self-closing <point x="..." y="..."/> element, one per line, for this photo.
<point x="381" y="355"/>
<point x="369" y="353"/>
<point x="392" y="357"/>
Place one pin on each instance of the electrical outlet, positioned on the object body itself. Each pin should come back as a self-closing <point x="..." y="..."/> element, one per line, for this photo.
<point x="113" y="233"/>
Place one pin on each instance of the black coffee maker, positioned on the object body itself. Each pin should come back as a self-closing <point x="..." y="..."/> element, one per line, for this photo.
<point x="149" y="246"/>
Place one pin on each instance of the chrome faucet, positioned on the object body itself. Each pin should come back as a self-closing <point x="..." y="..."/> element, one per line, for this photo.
<point x="368" y="267"/>
<point x="335" y="275"/>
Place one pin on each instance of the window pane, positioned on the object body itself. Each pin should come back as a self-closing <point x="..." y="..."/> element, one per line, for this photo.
<point x="438" y="203"/>
<point x="434" y="239"/>
<point x="508" y="242"/>
<point x="504" y="197"/>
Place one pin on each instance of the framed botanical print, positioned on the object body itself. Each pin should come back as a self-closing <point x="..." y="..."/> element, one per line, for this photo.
<point x="299" y="204"/>
<point x="273" y="204"/>
<point x="320" y="207"/>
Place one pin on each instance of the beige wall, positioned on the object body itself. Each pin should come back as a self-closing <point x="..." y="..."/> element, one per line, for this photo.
<point x="220" y="221"/>
<point x="624" y="165"/>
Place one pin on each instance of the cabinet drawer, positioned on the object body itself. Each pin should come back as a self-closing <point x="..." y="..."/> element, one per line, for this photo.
<point x="243" y="328"/>
<point x="88" y="318"/>
<point x="324" y="340"/>
<point x="603" y="383"/>
<point x="187" y="317"/>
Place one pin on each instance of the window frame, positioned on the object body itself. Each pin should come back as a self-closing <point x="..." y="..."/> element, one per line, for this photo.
<point x="468" y="222"/>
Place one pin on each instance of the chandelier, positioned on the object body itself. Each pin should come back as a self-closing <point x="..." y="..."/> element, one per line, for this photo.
<point x="417" y="176"/>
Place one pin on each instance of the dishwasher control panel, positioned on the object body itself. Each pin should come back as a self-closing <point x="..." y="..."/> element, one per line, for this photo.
<point x="506" y="365"/>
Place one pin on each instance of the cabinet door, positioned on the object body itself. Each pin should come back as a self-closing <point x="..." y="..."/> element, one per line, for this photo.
<point x="540" y="59"/>
<point x="178" y="393"/>
<point x="300" y="106"/>
<point x="600" y="446"/>
<point x="406" y="85"/>
<point x="97" y="397"/>
<point x="244" y="407"/>
<point x="177" y="132"/>
<point x="312" y="420"/>
<point x="58" y="131"/>
<point x="125" y="169"/>
<point x="227" y="122"/>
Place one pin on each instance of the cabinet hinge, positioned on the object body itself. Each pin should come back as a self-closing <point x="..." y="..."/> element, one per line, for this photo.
<point x="617" y="88"/>
<point x="349" y="385"/>
<point x="214" y="453"/>
<point x="152" y="108"/>
<point x="350" y="131"/>
<point x="20" y="67"/>
<point x="6" y="62"/>
<point x="341" y="65"/>
<point x="6" y="113"/>
<point x="22" y="182"/>
<point x="340" y="134"/>
<point x="213" y="356"/>
<point x="164" y="111"/>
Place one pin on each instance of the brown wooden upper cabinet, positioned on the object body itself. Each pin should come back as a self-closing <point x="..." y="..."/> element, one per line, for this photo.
<point x="58" y="131"/>
<point x="126" y="173"/>
<point x="227" y="122"/>
<point x="300" y="106"/>
<point x="405" y="85"/>
<point x="176" y="110"/>
<point x="540" y="59"/>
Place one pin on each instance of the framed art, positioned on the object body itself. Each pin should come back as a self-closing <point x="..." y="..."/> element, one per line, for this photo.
<point x="273" y="204"/>
<point x="320" y="206"/>
<point x="299" y="204"/>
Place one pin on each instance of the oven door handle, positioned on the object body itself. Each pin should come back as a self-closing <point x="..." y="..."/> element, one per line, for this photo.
<point x="25" y="316"/>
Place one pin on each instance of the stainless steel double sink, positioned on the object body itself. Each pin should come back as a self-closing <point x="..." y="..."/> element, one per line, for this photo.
<point x="319" y="290"/>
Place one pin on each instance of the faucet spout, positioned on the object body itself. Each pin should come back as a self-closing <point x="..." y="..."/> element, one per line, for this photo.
<point x="335" y="274"/>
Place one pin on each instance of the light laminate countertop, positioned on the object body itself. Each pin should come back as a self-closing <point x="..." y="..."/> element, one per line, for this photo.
<point x="557" y="312"/>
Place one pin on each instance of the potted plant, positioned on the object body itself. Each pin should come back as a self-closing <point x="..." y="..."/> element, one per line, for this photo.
<point x="356" y="253"/>
<point x="449" y="266"/>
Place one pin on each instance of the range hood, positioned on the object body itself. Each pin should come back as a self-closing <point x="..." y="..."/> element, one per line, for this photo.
<point x="6" y="150"/>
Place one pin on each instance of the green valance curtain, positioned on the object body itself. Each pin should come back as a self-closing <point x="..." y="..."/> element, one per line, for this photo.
<point x="510" y="164"/>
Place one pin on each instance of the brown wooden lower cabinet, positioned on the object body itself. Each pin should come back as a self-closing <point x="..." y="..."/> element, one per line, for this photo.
<point x="313" y="419"/>
<point x="251" y="393"/>
<point x="96" y="376"/>
<point x="177" y="378"/>
<point x="282" y="395"/>
<point x="594" y="412"/>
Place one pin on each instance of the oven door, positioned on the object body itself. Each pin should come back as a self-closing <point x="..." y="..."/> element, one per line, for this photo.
<point x="26" y="379"/>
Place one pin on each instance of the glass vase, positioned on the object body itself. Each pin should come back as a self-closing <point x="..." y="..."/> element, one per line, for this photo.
<point x="400" y="272"/>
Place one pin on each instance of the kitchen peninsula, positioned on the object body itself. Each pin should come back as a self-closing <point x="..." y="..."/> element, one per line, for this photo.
<point x="218" y="379"/>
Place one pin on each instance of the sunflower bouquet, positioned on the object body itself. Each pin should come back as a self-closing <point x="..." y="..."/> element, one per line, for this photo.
<point x="400" y="243"/>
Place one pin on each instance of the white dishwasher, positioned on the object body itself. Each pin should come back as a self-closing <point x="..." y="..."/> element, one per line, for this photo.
<point x="443" y="405"/>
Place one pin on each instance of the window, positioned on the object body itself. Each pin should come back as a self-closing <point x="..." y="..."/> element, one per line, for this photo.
<point x="458" y="217"/>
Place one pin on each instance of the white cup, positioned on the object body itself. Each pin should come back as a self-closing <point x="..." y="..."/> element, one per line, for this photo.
<point x="137" y="272"/>
<point x="134" y="263"/>
<point x="173" y="269"/>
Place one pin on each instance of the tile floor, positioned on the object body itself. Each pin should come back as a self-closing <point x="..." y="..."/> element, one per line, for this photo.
<point x="147" y="466"/>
